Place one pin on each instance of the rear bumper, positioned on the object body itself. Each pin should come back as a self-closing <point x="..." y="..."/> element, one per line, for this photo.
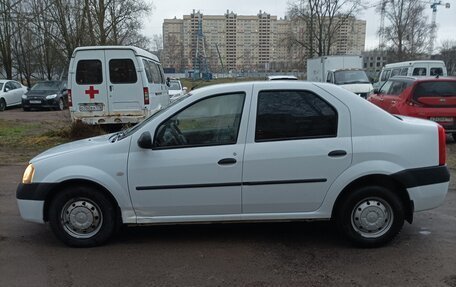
<point x="427" y="187"/>
<point x="53" y="103"/>
<point x="105" y="120"/>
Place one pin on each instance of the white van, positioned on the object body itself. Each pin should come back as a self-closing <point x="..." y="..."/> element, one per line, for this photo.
<point x="115" y="84"/>
<point x="423" y="68"/>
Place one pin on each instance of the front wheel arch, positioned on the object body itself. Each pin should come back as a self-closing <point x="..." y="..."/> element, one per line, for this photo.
<point x="80" y="182"/>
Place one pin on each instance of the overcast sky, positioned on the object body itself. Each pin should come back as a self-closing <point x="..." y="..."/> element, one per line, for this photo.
<point x="167" y="9"/>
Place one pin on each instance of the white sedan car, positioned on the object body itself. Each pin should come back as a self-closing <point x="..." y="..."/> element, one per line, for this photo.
<point x="10" y="93"/>
<point x="176" y="90"/>
<point x="253" y="151"/>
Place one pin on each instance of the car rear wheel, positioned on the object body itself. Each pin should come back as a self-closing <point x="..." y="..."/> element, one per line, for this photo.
<point x="82" y="217"/>
<point x="454" y="136"/>
<point x="370" y="216"/>
<point x="2" y="105"/>
<point x="61" y="105"/>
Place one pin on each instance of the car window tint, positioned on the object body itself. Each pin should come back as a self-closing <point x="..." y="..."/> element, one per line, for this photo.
<point x="419" y="72"/>
<point x="436" y="72"/>
<point x="162" y="74"/>
<point x="212" y="121"/>
<point x="385" y="88"/>
<point x="435" y="89"/>
<point x="89" y="72"/>
<point x="157" y="79"/>
<point x="1" y="86"/>
<point x="122" y="71"/>
<point x="9" y="86"/>
<point x="404" y="71"/>
<point x="287" y="115"/>
<point x="148" y="71"/>
<point x="397" y="87"/>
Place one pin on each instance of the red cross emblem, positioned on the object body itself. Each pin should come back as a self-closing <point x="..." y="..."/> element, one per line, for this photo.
<point x="91" y="92"/>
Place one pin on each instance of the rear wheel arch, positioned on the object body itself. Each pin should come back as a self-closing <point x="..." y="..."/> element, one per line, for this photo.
<point x="377" y="180"/>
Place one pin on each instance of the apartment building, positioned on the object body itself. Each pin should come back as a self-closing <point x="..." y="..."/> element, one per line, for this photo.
<point x="232" y="42"/>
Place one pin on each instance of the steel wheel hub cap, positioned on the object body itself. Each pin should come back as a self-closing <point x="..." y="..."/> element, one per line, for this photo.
<point x="81" y="218"/>
<point x="372" y="217"/>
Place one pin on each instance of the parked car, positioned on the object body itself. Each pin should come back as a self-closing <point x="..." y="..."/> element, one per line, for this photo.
<point x="10" y="93"/>
<point x="175" y="89"/>
<point x="46" y="94"/>
<point x="432" y="98"/>
<point x="253" y="151"/>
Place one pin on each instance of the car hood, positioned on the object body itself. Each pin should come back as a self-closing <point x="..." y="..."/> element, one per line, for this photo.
<point x="358" y="88"/>
<point x="41" y="93"/>
<point x="73" y="147"/>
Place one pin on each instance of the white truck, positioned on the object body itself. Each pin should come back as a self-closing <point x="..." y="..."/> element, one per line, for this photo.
<point x="345" y="71"/>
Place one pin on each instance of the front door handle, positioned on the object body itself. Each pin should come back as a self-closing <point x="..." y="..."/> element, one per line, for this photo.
<point x="337" y="153"/>
<point x="227" y="161"/>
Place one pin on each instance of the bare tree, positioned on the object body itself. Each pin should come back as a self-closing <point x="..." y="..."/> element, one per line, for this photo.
<point x="6" y="34"/>
<point x="407" y="31"/>
<point x="316" y="23"/>
<point x="448" y="55"/>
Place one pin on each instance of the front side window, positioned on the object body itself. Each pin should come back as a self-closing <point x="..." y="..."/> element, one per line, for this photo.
<point x="385" y="88"/>
<point x="89" y="72"/>
<point x="9" y="86"/>
<point x="419" y="72"/>
<point x="385" y="75"/>
<point x="212" y="121"/>
<point x="395" y="72"/>
<point x="122" y="71"/>
<point x="288" y="115"/>
<point x="397" y="87"/>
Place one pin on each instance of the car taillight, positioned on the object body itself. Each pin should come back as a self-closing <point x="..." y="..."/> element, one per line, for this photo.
<point x="70" y="99"/>
<point x="442" y="146"/>
<point x="146" y="95"/>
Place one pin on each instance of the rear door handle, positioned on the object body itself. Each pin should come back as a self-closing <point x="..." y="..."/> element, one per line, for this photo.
<point x="337" y="153"/>
<point x="227" y="161"/>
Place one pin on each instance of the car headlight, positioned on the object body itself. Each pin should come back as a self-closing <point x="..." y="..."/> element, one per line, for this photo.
<point x="24" y="97"/>
<point x="28" y="174"/>
<point x="51" y="97"/>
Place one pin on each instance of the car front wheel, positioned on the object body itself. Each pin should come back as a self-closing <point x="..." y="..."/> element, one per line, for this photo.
<point x="370" y="216"/>
<point x="82" y="217"/>
<point x="2" y="105"/>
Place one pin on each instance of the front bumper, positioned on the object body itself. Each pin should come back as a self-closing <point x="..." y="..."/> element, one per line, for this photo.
<point x="43" y="103"/>
<point x="31" y="198"/>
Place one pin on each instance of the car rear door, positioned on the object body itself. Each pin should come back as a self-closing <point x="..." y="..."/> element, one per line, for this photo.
<point x="124" y="81"/>
<point x="298" y="143"/>
<point x="88" y="84"/>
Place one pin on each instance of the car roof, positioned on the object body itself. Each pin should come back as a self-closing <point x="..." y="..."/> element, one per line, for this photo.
<point x="424" y="79"/>
<point x="136" y="50"/>
<point x="4" y="80"/>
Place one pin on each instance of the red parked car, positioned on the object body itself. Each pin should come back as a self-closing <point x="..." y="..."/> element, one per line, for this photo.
<point x="428" y="98"/>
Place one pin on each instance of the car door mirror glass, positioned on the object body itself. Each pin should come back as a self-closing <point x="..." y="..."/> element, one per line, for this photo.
<point x="7" y="89"/>
<point x="145" y="140"/>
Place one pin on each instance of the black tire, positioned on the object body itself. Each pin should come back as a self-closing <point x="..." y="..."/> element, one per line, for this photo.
<point x="82" y="216"/>
<point x="454" y="136"/>
<point x="2" y="105"/>
<point x="370" y="216"/>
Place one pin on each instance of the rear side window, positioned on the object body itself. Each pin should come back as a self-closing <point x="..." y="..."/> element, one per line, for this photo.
<point x="436" y="72"/>
<point x="404" y="71"/>
<point x="89" y="72"/>
<point x="435" y="89"/>
<point x="153" y="72"/>
<point x="122" y="71"/>
<point x="288" y="115"/>
<point x="419" y="72"/>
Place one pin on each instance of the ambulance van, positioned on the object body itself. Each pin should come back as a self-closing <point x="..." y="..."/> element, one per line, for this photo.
<point x="115" y="85"/>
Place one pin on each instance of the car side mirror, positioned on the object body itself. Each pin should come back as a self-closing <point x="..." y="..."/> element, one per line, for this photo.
<point x="185" y="89"/>
<point x="7" y="89"/>
<point x="145" y="140"/>
<point x="375" y="91"/>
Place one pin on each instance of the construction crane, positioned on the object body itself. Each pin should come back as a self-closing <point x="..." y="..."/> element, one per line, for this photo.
<point x="434" y="25"/>
<point x="200" y="66"/>
<point x="381" y="30"/>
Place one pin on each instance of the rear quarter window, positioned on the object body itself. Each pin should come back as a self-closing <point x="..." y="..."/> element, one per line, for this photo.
<point x="436" y="72"/>
<point x="89" y="72"/>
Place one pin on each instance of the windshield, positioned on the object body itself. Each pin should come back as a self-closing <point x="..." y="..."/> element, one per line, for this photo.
<point x="350" y="77"/>
<point x="133" y="129"/>
<point x="46" y="86"/>
<point x="174" y="86"/>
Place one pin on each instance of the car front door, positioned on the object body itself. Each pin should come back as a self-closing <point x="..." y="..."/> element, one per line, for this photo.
<point x="298" y="143"/>
<point x="193" y="172"/>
